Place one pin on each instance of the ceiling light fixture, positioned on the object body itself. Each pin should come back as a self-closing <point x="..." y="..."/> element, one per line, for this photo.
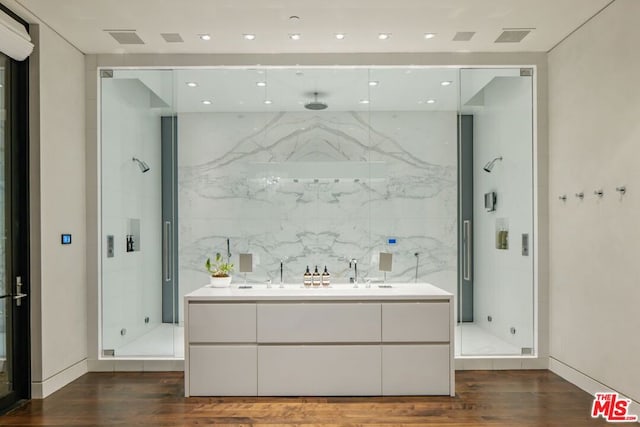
<point x="261" y="84"/>
<point x="206" y="102"/>
<point x="205" y="37"/>
<point x="431" y="101"/>
<point x="374" y="83"/>
<point x="192" y="84"/>
<point x="364" y="101"/>
<point x="268" y="102"/>
<point x="384" y="36"/>
<point x="295" y="36"/>
<point x="446" y="83"/>
<point x="249" y="36"/>
<point x="429" y="35"/>
<point x="340" y="36"/>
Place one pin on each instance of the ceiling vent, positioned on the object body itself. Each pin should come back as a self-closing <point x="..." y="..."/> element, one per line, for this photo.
<point x="512" y="36"/>
<point x="463" y="36"/>
<point x="172" y="37"/>
<point x="125" y="36"/>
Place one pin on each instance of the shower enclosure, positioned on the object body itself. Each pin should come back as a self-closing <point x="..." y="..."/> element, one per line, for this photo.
<point x="316" y="166"/>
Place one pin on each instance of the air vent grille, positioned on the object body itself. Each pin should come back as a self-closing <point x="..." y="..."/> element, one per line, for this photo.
<point x="512" y="36"/>
<point x="172" y="37"/>
<point x="463" y="36"/>
<point x="126" y="37"/>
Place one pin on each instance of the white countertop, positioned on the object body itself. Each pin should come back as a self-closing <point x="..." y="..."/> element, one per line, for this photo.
<point x="398" y="291"/>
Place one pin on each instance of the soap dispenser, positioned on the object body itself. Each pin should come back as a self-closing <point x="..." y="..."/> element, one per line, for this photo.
<point x="326" y="278"/>
<point x="315" y="279"/>
<point x="307" y="278"/>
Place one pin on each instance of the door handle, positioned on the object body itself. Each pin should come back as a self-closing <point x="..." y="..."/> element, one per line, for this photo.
<point x="19" y="295"/>
<point x="167" y="251"/>
<point x="466" y="253"/>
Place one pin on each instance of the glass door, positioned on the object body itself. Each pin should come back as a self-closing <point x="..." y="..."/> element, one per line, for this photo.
<point x="496" y="285"/>
<point x="14" y="302"/>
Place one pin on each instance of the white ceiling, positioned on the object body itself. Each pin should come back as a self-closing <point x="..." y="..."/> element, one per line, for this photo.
<point x="82" y="22"/>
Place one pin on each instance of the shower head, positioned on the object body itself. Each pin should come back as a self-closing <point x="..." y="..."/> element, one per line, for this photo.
<point x="315" y="105"/>
<point x="142" y="165"/>
<point x="489" y="166"/>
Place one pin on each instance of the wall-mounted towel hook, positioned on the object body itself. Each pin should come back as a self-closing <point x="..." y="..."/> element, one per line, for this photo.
<point x="563" y="197"/>
<point x="599" y="193"/>
<point x="580" y="195"/>
<point x="622" y="189"/>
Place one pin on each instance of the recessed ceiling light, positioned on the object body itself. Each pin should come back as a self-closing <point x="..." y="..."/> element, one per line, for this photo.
<point x="384" y="36"/>
<point x="261" y="84"/>
<point x="446" y="83"/>
<point x="192" y="84"/>
<point x="374" y="83"/>
<point x="206" y="102"/>
<point x="295" y="36"/>
<point x="340" y="36"/>
<point x="267" y="101"/>
<point x="364" y="101"/>
<point x="429" y="35"/>
<point x="249" y="36"/>
<point x="431" y="101"/>
<point x="205" y="37"/>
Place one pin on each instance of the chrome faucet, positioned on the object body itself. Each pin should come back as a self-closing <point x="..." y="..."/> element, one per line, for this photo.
<point x="281" y="268"/>
<point x="355" y="271"/>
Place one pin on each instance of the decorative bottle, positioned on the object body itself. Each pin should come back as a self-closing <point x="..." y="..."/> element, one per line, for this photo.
<point x="315" y="279"/>
<point x="326" y="277"/>
<point x="307" y="278"/>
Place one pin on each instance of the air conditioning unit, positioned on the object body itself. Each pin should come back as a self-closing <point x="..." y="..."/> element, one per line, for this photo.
<point x="15" y="41"/>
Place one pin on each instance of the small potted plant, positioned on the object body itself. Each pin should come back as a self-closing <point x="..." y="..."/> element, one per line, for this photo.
<point x="220" y="272"/>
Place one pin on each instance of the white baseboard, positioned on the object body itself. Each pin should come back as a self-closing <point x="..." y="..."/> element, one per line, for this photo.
<point x="42" y="389"/>
<point x="136" y="365"/>
<point x="587" y="383"/>
<point x="500" y="363"/>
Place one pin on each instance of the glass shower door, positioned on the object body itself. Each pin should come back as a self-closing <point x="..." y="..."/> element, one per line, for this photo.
<point x="496" y="285"/>
<point x="139" y="308"/>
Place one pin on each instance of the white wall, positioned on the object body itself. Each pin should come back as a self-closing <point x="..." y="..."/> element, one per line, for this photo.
<point x="503" y="278"/>
<point x="131" y="281"/>
<point x="594" y="105"/>
<point x="57" y="167"/>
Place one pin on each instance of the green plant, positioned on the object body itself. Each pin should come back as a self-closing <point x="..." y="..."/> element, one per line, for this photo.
<point x="219" y="268"/>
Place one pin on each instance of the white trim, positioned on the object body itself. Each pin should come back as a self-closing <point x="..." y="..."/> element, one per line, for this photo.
<point x="40" y="390"/>
<point x="136" y="365"/>
<point x="586" y="383"/>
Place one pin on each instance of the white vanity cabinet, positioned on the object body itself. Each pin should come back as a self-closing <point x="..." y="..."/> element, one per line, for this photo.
<point x="319" y="342"/>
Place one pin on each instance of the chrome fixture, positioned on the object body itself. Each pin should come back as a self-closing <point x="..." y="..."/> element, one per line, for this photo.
<point x="417" y="255"/>
<point x="563" y="197"/>
<point x="144" y="167"/>
<point x="489" y="166"/>
<point x="580" y="195"/>
<point x="599" y="193"/>
<point x="622" y="190"/>
<point x="315" y="105"/>
<point x="353" y="263"/>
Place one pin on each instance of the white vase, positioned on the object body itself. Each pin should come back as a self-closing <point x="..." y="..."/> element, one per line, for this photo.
<point x="219" y="282"/>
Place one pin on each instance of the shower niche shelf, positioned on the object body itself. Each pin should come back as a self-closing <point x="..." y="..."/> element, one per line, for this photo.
<point x="502" y="234"/>
<point x="133" y="235"/>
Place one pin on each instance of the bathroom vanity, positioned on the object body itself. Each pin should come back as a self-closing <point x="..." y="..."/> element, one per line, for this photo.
<point x="335" y="341"/>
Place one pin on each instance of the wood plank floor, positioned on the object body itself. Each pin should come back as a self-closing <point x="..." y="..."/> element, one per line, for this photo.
<point x="483" y="398"/>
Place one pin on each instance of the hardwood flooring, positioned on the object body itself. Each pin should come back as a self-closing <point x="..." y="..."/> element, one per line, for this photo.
<point x="483" y="398"/>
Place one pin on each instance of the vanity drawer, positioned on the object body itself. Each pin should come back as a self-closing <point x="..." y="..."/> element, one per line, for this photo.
<point x="416" y="322"/>
<point x="222" y="323"/>
<point x="416" y="369"/>
<point x="318" y="323"/>
<point x="319" y="370"/>
<point x="223" y="370"/>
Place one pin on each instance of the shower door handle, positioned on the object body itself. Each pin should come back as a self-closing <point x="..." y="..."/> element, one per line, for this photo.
<point x="466" y="250"/>
<point x="167" y="251"/>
